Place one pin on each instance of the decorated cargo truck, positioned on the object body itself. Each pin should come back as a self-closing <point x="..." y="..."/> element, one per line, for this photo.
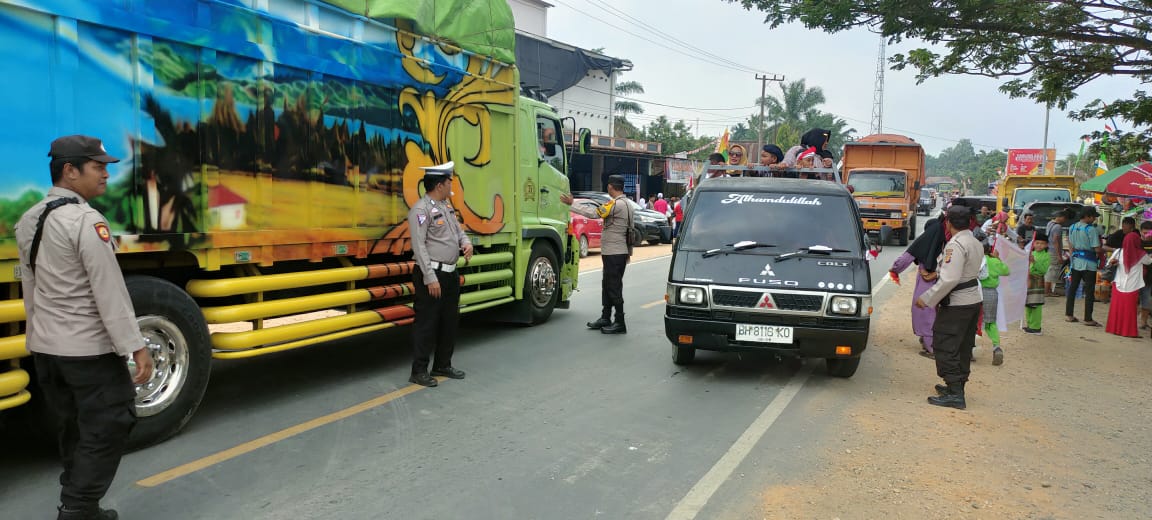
<point x="272" y="149"/>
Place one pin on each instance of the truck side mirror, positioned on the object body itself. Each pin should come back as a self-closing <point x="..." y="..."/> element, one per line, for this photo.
<point x="916" y="185"/>
<point x="1005" y="201"/>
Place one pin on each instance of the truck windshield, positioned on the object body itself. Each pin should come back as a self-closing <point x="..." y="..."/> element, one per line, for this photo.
<point x="1024" y="196"/>
<point x="877" y="184"/>
<point x="787" y="221"/>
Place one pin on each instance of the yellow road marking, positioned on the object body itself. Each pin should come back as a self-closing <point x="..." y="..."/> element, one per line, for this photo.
<point x="255" y="444"/>
<point x="652" y="304"/>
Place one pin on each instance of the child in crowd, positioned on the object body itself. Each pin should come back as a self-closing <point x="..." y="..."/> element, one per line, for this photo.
<point x="989" y="280"/>
<point x="1038" y="264"/>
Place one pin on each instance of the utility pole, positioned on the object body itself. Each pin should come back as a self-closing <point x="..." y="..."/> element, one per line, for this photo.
<point x="764" y="79"/>
<point x="1044" y="149"/>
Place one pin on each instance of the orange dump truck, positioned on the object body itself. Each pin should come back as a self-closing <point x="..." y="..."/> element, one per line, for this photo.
<point x="885" y="173"/>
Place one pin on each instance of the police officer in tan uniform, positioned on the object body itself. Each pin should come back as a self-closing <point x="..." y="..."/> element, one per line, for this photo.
<point x="958" y="294"/>
<point x="437" y="242"/>
<point x="614" y="253"/>
<point x="81" y="324"/>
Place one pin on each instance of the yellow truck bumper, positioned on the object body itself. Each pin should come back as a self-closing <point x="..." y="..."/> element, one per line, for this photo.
<point x="874" y="224"/>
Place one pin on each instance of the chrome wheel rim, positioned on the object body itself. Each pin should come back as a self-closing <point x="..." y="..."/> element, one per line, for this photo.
<point x="543" y="278"/>
<point x="169" y="350"/>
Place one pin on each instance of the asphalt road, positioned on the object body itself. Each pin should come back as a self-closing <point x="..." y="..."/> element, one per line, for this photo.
<point x="552" y="422"/>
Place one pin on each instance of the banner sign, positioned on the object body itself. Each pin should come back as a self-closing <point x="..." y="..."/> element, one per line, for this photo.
<point x="677" y="171"/>
<point x="1026" y="161"/>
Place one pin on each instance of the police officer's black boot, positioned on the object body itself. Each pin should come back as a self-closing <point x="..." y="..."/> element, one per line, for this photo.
<point x="954" y="398"/>
<point x="942" y="390"/>
<point x="604" y="321"/>
<point x="618" y="327"/>
<point x="94" y="513"/>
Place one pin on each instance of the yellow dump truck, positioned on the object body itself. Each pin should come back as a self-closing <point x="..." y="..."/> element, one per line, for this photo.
<point x="1015" y="192"/>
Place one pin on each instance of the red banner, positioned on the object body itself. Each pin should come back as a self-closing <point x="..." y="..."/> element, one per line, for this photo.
<point x="1026" y="161"/>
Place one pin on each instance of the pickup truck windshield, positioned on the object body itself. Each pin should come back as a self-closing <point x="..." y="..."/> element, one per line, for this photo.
<point x="787" y="221"/>
<point x="877" y="184"/>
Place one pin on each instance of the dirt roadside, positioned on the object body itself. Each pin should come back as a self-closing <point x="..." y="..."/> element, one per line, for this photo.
<point x="1060" y="431"/>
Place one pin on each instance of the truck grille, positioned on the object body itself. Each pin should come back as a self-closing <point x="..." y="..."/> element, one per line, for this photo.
<point x="735" y="298"/>
<point x="684" y="312"/>
<point x="797" y="302"/>
<point x="875" y="213"/>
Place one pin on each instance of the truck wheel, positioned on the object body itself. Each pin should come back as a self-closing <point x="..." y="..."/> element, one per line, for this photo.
<point x="583" y="246"/>
<point x="541" y="283"/>
<point x="842" y="367"/>
<point x="177" y="337"/>
<point x="902" y="237"/>
<point x="683" y="355"/>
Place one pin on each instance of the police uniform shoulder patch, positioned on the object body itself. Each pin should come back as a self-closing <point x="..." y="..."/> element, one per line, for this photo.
<point x="103" y="232"/>
<point x="422" y="218"/>
<point x="948" y="255"/>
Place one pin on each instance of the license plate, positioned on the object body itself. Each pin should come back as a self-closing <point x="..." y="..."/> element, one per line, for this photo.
<point x="871" y="225"/>
<point x="763" y="333"/>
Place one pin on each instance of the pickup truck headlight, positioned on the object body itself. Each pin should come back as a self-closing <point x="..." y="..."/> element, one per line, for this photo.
<point x="691" y="296"/>
<point x="844" y="305"/>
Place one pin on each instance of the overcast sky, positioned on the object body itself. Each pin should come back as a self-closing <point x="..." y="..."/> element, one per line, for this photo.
<point x="937" y="113"/>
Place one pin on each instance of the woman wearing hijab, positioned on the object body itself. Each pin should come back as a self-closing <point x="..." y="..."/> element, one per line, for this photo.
<point x="923" y="252"/>
<point x="816" y="140"/>
<point x="1129" y="260"/>
<point x="737" y="155"/>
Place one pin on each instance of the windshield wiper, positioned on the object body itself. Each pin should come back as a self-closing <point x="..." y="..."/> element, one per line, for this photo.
<point x="738" y="246"/>
<point x="812" y="249"/>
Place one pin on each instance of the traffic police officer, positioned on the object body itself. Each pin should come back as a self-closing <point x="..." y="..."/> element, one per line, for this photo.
<point x="80" y="324"/>
<point x="437" y="242"/>
<point x="614" y="253"/>
<point x="957" y="292"/>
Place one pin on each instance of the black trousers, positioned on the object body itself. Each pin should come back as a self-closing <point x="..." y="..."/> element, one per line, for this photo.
<point x="93" y="399"/>
<point x="1089" y="279"/>
<point x="612" y="284"/>
<point x="436" y="323"/>
<point x="953" y="337"/>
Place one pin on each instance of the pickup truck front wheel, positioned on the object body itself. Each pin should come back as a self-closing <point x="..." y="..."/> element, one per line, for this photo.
<point x="842" y="367"/>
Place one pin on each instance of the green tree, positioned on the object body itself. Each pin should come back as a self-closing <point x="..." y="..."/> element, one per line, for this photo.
<point x="675" y="137"/>
<point x="741" y="132"/>
<point x="1044" y="50"/>
<point x="794" y="102"/>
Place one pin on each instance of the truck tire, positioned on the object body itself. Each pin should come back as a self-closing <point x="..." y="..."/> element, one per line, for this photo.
<point x="682" y="355"/>
<point x="842" y="367"/>
<point x="912" y="229"/>
<point x="177" y="335"/>
<point x="541" y="283"/>
<point x="902" y="236"/>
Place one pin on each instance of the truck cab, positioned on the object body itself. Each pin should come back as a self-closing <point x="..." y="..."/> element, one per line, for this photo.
<point x="771" y="264"/>
<point x="885" y="173"/>
<point x="1015" y="192"/>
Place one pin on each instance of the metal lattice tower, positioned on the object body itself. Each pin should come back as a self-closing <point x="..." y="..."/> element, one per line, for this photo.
<point x="878" y="93"/>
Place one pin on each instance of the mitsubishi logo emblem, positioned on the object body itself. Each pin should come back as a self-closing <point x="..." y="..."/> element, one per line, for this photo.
<point x="767" y="270"/>
<point x="765" y="302"/>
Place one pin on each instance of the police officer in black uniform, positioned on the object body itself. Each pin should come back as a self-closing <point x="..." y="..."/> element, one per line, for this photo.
<point x="81" y="325"/>
<point x="437" y="242"/>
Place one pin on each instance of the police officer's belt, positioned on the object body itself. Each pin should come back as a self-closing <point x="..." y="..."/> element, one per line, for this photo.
<point x="49" y="208"/>
<point x="444" y="266"/>
<point x="959" y="287"/>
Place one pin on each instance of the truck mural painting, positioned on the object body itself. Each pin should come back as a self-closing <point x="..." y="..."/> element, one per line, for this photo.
<point x="271" y="157"/>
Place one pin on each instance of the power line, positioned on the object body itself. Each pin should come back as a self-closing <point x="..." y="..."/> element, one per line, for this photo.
<point x="613" y="11"/>
<point x="740" y="68"/>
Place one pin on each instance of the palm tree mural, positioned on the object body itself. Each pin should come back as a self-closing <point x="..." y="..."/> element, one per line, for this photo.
<point x="621" y="125"/>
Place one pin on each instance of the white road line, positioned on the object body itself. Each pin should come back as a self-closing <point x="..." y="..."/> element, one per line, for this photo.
<point x="699" y="495"/>
<point x="649" y="305"/>
<point x="883" y="280"/>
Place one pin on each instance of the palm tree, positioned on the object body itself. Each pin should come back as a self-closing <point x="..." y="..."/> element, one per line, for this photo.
<point x="622" y="126"/>
<point x="795" y="101"/>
